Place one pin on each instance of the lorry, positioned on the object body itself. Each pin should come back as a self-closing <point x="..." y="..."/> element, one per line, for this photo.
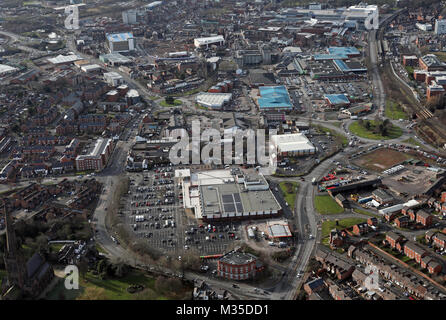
<point x="313" y="181"/>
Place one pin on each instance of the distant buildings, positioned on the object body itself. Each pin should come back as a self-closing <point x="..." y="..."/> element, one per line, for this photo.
<point x="121" y="42"/>
<point x="206" y="42"/>
<point x="440" y="27"/>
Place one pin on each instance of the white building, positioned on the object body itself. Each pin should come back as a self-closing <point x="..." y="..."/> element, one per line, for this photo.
<point x="213" y="100"/>
<point x="296" y="144"/>
<point x="129" y="17"/>
<point x="424" y="26"/>
<point x="206" y="42"/>
<point x="113" y="78"/>
<point x="440" y="27"/>
<point x="121" y="42"/>
<point x="360" y="13"/>
<point x="5" y="69"/>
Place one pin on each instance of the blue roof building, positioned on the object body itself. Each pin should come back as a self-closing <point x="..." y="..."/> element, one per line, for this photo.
<point x="337" y="99"/>
<point x="344" y="51"/>
<point x="121" y="42"/>
<point x="275" y="97"/>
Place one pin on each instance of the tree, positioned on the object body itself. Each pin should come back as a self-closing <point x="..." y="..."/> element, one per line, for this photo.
<point x="169" y="100"/>
<point x="83" y="268"/>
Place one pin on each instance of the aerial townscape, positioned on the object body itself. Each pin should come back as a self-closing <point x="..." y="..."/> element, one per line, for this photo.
<point x="223" y="150"/>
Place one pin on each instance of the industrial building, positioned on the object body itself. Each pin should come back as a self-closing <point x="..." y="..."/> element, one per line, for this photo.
<point x="219" y="195"/>
<point x="274" y="98"/>
<point x="296" y="144"/>
<point x="121" y="42"/>
<point x="213" y="100"/>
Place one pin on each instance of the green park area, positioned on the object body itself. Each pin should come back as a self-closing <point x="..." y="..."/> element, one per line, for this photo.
<point x="376" y="130"/>
<point x="289" y="189"/>
<point x="394" y="111"/>
<point x="327" y="205"/>
<point x="92" y="287"/>
<point x="170" y="102"/>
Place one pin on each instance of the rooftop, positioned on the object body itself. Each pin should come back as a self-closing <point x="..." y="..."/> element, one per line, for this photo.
<point x="274" y="97"/>
<point x="116" y="37"/>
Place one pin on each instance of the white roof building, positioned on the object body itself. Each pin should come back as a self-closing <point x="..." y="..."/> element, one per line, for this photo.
<point x="60" y="59"/>
<point x="200" y="42"/>
<point x="5" y="69"/>
<point x="296" y="143"/>
<point x="213" y="100"/>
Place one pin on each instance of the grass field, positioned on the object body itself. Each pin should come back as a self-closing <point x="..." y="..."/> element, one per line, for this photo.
<point x="93" y="288"/>
<point x="362" y="132"/>
<point x="175" y="103"/>
<point x="343" y="223"/>
<point x="382" y="159"/>
<point x="289" y="189"/>
<point x="326" y="205"/>
<point x="394" y="111"/>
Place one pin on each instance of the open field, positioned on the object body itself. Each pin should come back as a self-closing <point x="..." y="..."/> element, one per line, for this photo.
<point x="342" y="224"/>
<point x="362" y="132"/>
<point x="289" y="189"/>
<point x="326" y="205"/>
<point x="382" y="159"/>
<point x="93" y="288"/>
<point x="394" y="111"/>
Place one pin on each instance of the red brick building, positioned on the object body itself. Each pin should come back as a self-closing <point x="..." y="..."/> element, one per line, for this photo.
<point x="238" y="266"/>
<point x="413" y="251"/>
<point x="424" y="218"/>
<point x="393" y="238"/>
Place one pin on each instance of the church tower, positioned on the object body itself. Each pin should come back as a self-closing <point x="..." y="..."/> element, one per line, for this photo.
<point x="15" y="265"/>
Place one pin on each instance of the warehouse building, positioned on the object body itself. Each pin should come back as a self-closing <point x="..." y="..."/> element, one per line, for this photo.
<point x="5" y="69"/>
<point x="296" y="144"/>
<point x="274" y="98"/>
<point x="218" y="195"/>
<point x="213" y="100"/>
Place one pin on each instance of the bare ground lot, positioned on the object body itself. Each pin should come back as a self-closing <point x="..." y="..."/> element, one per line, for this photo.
<point x="382" y="159"/>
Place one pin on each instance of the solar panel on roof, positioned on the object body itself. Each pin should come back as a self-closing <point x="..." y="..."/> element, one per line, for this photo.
<point x="227" y="198"/>
<point x="237" y="197"/>
<point x="229" y="207"/>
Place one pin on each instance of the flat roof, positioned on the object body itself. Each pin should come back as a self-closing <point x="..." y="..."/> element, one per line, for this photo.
<point x="64" y="59"/>
<point x="274" y="97"/>
<point x="292" y="142"/>
<point x="347" y="51"/>
<point x="213" y="99"/>
<point x="231" y="199"/>
<point x="279" y="231"/>
<point x="5" y="68"/>
<point x="237" y="258"/>
<point x="116" y="37"/>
